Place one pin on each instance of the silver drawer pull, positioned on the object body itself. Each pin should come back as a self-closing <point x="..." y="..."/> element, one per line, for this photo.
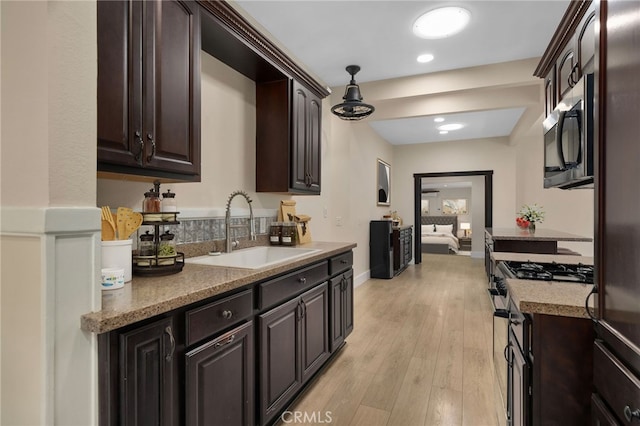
<point x="630" y="415"/>
<point x="227" y="314"/>
<point x="225" y="342"/>
<point x="172" y="342"/>
<point x="302" y="280"/>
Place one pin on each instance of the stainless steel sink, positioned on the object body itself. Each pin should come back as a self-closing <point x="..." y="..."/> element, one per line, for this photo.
<point x="254" y="257"/>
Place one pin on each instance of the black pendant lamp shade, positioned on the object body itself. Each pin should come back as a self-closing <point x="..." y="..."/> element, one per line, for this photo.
<point x="352" y="108"/>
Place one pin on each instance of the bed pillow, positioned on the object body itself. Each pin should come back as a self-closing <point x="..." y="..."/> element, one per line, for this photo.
<point x="444" y="228"/>
<point x="428" y="229"/>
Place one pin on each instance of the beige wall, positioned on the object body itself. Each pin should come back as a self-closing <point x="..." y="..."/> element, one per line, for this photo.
<point x="23" y="380"/>
<point x="482" y="154"/>
<point x="565" y="210"/>
<point x="49" y="227"/>
<point x="228" y="149"/>
<point x="349" y="152"/>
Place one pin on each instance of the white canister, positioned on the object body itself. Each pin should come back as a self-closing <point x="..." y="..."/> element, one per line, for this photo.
<point x="112" y="278"/>
<point x="117" y="254"/>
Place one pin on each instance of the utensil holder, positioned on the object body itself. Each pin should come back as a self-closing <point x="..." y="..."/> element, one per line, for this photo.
<point x="117" y="254"/>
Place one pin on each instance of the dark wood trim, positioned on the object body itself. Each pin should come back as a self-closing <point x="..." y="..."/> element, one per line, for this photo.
<point x="600" y="106"/>
<point x="417" y="197"/>
<point x="242" y="30"/>
<point x="564" y="32"/>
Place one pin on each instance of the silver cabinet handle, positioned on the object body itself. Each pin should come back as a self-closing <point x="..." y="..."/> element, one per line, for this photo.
<point x="172" y="341"/>
<point x="153" y="147"/>
<point x="302" y="280"/>
<point x="630" y="415"/>
<point x="140" y="141"/>
<point x="225" y="342"/>
<point x="227" y="314"/>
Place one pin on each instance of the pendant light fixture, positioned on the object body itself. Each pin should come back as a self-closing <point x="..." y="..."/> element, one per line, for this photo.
<point x="352" y="108"/>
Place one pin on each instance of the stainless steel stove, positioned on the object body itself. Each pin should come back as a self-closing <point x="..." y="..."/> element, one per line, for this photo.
<point x="578" y="273"/>
<point x="511" y="329"/>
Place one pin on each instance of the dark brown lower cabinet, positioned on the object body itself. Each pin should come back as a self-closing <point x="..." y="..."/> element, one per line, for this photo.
<point x="226" y="360"/>
<point x="600" y="414"/>
<point x="314" y="342"/>
<point x="402" y="248"/>
<point x="341" y="288"/>
<point x="294" y="342"/>
<point x="220" y="380"/>
<point x="148" y="375"/>
<point x="562" y="370"/>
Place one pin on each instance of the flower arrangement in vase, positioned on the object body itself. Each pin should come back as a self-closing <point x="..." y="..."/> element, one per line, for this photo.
<point x="528" y="216"/>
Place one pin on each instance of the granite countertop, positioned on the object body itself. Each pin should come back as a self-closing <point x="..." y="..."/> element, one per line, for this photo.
<point x="145" y="297"/>
<point x="550" y="297"/>
<point x="538" y="235"/>
<point x="541" y="258"/>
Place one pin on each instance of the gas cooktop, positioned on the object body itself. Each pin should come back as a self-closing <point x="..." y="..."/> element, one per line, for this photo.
<point x="578" y="273"/>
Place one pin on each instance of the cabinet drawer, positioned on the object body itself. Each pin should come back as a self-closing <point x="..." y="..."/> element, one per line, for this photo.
<point x="282" y="288"/>
<point x="615" y="383"/>
<point x="209" y="319"/>
<point x="340" y="263"/>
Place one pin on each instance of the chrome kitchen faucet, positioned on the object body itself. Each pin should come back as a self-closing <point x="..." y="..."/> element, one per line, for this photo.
<point x="231" y="244"/>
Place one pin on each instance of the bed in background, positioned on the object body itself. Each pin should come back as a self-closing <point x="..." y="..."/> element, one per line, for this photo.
<point x="439" y="234"/>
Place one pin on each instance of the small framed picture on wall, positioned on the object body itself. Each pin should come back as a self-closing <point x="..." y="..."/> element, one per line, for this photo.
<point x="383" y="183"/>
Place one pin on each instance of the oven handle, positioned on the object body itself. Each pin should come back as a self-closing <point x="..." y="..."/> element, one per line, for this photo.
<point x="500" y="313"/>
<point x="506" y="354"/>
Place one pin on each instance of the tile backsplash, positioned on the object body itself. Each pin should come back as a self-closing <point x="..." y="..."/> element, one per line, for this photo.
<point x="211" y="229"/>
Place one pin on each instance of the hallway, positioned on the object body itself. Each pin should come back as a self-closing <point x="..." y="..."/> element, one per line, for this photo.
<point x="420" y="353"/>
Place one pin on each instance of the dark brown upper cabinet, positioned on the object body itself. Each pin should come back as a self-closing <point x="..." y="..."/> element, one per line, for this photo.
<point x="569" y="54"/>
<point x="149" y="88"/>
<point x="288" y="101"/>
<point x="288" y="132"/>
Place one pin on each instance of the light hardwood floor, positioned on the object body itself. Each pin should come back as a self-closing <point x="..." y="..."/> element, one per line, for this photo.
<point x="420" y="352"/>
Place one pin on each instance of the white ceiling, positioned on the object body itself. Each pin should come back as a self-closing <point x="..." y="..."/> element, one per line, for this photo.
<point x="326" y="36"/>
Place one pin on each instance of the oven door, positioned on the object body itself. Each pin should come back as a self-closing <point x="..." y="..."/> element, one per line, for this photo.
<point x="518" y="383"/>
<point x="501" y="351"/>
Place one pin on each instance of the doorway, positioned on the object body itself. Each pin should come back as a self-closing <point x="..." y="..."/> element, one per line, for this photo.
<point x="487" y="176"/>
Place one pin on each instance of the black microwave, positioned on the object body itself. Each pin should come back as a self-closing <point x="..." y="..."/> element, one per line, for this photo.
<point x="568" y="139"/>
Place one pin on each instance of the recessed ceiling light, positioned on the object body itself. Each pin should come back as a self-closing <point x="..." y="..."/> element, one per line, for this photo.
<point x="452" y="126"/>
<point x="438" y="119"/>
<point x="442" y="22"/>
<point x="423" y="59"/>
<point x="443" y="132"/>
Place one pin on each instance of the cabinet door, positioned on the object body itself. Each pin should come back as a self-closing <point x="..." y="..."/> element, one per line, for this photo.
<point x="305" y="146"/>
<point x="341" y="288"/>
<point x="347" y="303"/>
<point x="408" y="245"/>
<point x="565" y="70"/>
<point x="314" y="142"/>
<point x="119" y="94"/>
<point x="336" y="336"/>
<point x="280" y="370"/>
<point x="550" y="92"/>
<point x="600" y="414"/>
<point x="586" y="43"/>
<point x="520" y="405"/>
<point x="315" y="329"/>
<point x="171" y="64"/>
<point x="219" y="380"/>
<point x="619" y="295"/>
<point x="148" y="375"/>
